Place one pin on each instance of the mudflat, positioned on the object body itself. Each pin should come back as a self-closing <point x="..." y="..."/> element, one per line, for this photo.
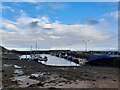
<point x="29" y="74"/>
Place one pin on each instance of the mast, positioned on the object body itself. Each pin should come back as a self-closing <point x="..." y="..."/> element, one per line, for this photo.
<point x="86" y="44"/>
<point x="31" y="52"/>
<point x="36" y="48"/>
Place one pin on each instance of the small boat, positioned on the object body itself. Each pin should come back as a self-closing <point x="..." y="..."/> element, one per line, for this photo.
<point x="43" y="59"/>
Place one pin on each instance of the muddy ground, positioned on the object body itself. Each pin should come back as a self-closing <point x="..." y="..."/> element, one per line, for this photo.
<point x="58" y="77"/>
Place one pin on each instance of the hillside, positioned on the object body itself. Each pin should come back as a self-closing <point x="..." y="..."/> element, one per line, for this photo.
<point x="3" y="49"/>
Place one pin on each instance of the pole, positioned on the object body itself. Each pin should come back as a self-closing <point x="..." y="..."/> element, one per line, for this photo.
<point x="85" y="45"/>
<point x="26" y="55"/>
<point x="86" y="42"/>
<point x="31" y="52"/>
<point x="36" y="48"/>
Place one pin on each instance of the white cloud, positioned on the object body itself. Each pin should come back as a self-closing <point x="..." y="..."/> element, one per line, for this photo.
<point x="58" y="5"/>
<point x="31" y="30"/>
<point x="114" y="14"/>
<point x="9" y="26"/>
<point x="7" y="7"/>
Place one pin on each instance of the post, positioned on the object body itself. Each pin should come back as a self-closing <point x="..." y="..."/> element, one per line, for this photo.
<point x="86" y="42"/>
<point x="31" y="52"/>
<point x="26" y="55"/>
<point x="36" y="48"/>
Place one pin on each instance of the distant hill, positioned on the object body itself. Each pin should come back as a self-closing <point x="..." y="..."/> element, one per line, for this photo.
<point x="3" y="49"/>
<point x="7" y="54"/>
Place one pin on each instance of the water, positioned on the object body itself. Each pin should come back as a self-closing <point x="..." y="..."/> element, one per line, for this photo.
<point x="56" y="61"/>
<point x="17" y="67"/>
<point x="24" y="81"/>
<point x="18" y="72"/>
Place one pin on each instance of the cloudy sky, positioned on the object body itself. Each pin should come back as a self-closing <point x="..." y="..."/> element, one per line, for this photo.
<point x="59" y="25"/>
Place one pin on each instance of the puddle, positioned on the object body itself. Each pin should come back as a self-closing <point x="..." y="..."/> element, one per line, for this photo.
<point x="17" y="67"/>
<point x="7" y="65"/>
<point x="24" y="81"/>
<point x="18" y="72"/>
<point x="37" y="75"/>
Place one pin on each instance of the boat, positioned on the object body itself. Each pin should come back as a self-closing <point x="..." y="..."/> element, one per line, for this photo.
<point x="43" y="59"/>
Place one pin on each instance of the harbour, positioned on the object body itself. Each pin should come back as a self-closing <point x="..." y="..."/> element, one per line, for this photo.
<point x="59" y="45"/>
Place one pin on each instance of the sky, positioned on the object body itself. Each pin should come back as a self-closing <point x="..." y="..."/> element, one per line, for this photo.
<point x="59" y="25"/>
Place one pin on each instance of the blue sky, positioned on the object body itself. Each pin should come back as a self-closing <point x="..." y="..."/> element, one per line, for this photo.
<point x="90" y="19"/>
<point x="68" y="13"/>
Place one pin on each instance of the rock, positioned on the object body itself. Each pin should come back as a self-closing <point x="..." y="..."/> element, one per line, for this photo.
<point x="35" y="85"/>
<point x="60" y="85"/>
<point x="5" y="74"/>
<point x="40" y="84"/>
<point x="3" y="71"/>
<point x="104" y="77"/>
<point x="16" y="82"/>
<point x="52" y="88"/>
<point x="32" y="77"/>
<point x="93" y="83"/>
<point x="93" y="80"/>
<point x="114" y="80"/>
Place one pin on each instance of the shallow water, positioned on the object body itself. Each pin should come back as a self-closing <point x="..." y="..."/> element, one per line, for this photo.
<point x="18" y="72"/>
<point x="56" y="61"/>
<point x="24" y="81"/>
<point x="17" y="67"/>
<point x="37" y="75"/>
<point x="7" y="65"/>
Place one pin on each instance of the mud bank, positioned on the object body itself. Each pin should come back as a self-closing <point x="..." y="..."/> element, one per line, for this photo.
<point x="38" y="75"/>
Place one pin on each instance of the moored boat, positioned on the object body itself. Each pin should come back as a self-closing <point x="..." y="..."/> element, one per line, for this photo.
<point x="43" y="59"/>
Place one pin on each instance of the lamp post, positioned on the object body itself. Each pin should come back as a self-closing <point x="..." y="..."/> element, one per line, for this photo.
<point x="36" y="48"/>
<point x="86" y="46"/>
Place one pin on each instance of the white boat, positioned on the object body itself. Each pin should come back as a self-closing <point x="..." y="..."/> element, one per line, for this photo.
<point x="43" y="59"/>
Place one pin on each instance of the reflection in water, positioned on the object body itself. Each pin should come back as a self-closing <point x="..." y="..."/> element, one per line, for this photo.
<point x="56" y="61"/>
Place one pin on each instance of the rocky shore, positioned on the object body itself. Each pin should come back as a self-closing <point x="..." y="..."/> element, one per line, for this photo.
<point x="31" y="74"/>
